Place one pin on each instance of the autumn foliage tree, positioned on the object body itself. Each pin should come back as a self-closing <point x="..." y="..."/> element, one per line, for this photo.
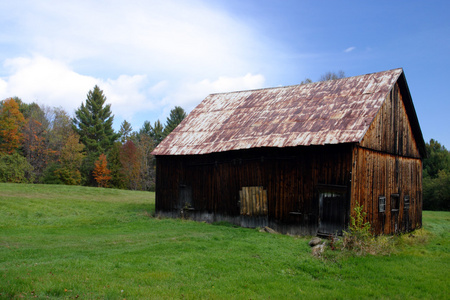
<point x="131" y="164"/>
<point x="11" y="123"/>
<point x="101" y="172"/>
<point x="70" y="160"/>
<point x="35" y="139"/>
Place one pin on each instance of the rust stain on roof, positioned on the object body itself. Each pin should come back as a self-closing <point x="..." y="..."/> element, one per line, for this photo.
<point x="330" y="112"/>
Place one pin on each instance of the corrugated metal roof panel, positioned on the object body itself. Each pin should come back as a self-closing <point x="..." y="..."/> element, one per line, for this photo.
<point x="331" y="112"/>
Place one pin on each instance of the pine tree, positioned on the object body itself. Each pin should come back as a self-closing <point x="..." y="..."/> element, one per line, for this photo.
<point x="157" y="133"/>
<point x="176" y="116"/>
<point x="93" y="122"/>
<point x="125" y="131"/>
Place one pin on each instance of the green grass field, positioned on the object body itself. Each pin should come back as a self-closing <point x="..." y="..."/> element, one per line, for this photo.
<point x="91" y="243"/>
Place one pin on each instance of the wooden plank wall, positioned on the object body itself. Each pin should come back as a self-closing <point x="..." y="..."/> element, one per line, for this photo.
<point x="391" y="132"/>
<point x="388" y="162"/>
<point x="290" y="176"/>
<point x="377" y="174"/>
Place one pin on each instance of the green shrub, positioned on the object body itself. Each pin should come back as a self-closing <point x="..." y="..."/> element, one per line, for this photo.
<point x="49" y="176"/>
<point x="360" y="240"/>
<point x="15" y="168"/>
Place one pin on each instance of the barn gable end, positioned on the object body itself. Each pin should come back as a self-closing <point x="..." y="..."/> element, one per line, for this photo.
<point x="391" y="131"/>
<point x="387" y="173"/>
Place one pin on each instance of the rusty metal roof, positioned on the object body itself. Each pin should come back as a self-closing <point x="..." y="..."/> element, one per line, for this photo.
<point x="330" y="112"/>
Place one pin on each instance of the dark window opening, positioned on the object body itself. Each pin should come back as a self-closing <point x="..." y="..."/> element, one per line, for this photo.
<point x="395" y="202"/>
<point x="406" y="202"/>
<point x="381" y="204"/>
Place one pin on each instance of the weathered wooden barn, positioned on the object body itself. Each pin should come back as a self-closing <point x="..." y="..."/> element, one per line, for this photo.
<point x="298" y="158"/>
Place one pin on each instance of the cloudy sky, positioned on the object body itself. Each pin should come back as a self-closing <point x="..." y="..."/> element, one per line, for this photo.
<point x="149" y="56"/>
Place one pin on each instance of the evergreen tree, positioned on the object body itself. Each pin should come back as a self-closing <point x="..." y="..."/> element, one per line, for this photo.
<point x="146" y="129"/>
<point x="125" y="131"/>
<point x="157" y="133"/>
<point x="176" y="116"/>
<point x="93" y="122"/>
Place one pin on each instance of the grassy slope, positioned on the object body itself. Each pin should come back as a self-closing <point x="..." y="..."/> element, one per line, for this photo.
<point x="64" y="242"/>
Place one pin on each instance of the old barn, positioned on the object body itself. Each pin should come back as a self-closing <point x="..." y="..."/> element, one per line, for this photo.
<point x="298" y="158"/>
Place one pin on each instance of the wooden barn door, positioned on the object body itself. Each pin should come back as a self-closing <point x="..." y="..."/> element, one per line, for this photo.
<point x="185" y="197"/>
<point x="332" y="212"/>
<point x="253" y="206"/>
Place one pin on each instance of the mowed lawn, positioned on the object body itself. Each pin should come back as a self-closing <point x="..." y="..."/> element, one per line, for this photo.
<point x="92" y="243"/>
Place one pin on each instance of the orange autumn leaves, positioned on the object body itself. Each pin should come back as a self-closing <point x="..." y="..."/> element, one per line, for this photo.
<point x="11" y="122"/>
<point x="101" y="172"/>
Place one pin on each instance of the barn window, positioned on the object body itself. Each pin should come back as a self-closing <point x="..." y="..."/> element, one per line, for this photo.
<point x="395" y="202"/>
<point x="406" y="202"/>
<point x="381" y="204"/>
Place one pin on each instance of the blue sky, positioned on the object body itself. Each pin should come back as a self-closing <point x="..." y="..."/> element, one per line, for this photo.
<point x="149" y="56"/>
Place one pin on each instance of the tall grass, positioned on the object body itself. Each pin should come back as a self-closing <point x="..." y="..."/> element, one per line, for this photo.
<point x="93" y="243"/>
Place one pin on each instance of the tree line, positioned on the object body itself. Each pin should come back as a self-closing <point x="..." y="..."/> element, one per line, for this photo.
<point x="436" y="177"/>
<point x="40" y="144"/>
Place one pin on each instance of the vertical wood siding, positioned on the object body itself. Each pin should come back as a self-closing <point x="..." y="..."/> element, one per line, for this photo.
<point x="290" y="176"/>
<point x="391" y="132"/>
<point x="378" y="174"/>
<point x="388" y="163"/>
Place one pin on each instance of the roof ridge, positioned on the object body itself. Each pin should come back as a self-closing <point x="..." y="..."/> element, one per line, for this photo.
<point x="301" y="84"/>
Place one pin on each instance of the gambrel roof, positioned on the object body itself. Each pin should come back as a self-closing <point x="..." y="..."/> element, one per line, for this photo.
<point x="320" y="113"/>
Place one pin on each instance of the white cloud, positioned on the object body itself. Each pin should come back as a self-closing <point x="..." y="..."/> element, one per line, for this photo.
<point x="152" y="36"/>
<point x="189" y="95"/>
<point x="126" y="95"/>
<point x="45" y="81"/>
<point x="349" y="49"/>
<point x="147" y="56"/>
